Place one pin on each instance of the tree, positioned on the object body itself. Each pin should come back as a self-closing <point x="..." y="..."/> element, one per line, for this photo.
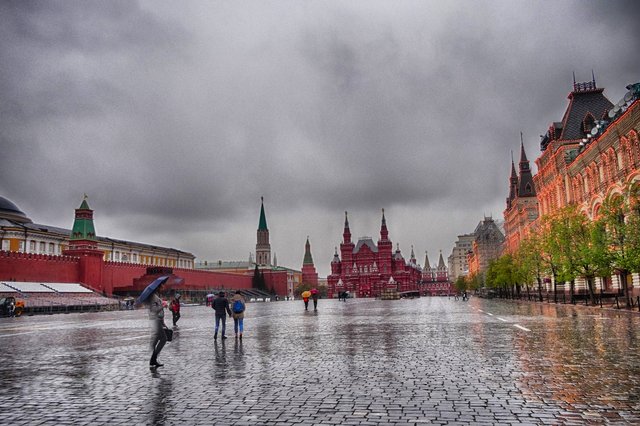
<point x="257" y="281"/>
<point x="460" y="284"/>
<point x="584" y="251"/>
<point x="502" y="274"/>
<point x="530" y="260"/>
<point x="621" y="222"/>
<point x="551" y="246"/>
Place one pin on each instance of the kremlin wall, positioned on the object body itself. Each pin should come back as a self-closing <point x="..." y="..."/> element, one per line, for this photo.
<point x="79" y="256"/>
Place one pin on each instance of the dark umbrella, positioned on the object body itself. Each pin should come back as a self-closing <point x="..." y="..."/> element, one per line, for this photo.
<point x="151" y="288"/>
<point x="314" y="291"/>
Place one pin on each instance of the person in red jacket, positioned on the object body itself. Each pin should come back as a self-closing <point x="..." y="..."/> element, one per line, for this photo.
<point x="174" y="307"/>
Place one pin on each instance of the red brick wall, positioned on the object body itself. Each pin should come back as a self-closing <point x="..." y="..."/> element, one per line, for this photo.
<point x="39" y="267"/>
<point x="104" y="276"/>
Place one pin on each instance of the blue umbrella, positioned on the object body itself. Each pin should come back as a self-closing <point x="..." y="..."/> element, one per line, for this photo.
<point x="150" y="289"/>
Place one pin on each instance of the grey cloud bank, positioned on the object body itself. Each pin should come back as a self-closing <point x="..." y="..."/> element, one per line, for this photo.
<point x="176" y="118"/>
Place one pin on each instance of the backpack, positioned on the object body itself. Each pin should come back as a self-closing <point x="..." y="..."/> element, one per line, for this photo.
<point x="238" y="307"/>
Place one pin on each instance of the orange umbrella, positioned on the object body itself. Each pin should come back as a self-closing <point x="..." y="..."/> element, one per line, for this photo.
<point x="306" y="294"/>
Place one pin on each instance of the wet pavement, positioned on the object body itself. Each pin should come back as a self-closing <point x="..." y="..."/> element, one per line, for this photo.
<point x="363" y="362"/>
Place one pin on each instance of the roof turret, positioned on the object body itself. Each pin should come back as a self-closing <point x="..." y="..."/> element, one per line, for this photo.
<point x="336" y="258"/>
<point x="526" y="187"/>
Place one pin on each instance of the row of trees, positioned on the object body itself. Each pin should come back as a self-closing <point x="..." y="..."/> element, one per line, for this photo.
<point x="568" y="245"/>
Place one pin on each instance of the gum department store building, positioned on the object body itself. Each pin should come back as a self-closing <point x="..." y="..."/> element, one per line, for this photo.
<point x="591" y="154"/>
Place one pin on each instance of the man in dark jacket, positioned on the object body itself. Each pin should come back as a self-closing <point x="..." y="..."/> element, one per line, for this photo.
<point x="221" y="305"/>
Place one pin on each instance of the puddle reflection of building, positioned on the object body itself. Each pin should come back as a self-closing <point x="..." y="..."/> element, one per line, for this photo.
<point x="581" y="359"/>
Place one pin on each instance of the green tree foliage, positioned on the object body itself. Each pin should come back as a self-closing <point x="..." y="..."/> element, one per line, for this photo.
<point x="621" y="222"/>
<point x="258" y="281"/>
<point x="529" y="259"/>
<point x="503" y="274"/>
<point x="460" y="284"/>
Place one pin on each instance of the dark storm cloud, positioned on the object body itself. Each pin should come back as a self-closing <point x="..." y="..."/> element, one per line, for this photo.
<point x="176" y="118"/>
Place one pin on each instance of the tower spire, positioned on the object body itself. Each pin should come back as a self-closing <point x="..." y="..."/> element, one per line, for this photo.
<point x="263" y="218"/>
<point x="384" y="232"/>
<point x="308" y="260"/>
<point x="263" y="248"/>
<point x="346" y="234"/>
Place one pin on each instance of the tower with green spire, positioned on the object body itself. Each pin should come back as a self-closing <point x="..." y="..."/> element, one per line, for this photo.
<point x="309" y="274"/>
<point x="84" y="245"/>
<point x="83" y="233"/>
<point x="263" y="248"/>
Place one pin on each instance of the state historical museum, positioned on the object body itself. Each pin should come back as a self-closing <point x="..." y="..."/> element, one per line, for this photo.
<point x="365" y="269"/>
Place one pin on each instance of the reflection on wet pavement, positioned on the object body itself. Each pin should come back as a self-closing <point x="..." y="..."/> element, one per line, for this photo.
<point x="361" y="362"/>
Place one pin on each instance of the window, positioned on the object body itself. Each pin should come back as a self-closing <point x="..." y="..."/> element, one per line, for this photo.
<point x="32" y="246"/>
<point x="52" y="248"/>
<point x="43" y="247"/>
<point x="134" y="258"/>
<point x="5" y="245"/>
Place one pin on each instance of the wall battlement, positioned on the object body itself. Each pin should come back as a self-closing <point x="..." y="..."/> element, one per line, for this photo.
<point x="38" y="256"/>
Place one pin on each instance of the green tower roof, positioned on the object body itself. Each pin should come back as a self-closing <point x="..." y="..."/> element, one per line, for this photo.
<point x="263" y="219"/>
<point x="308" y="260"/>
<point x="83" y="224"/>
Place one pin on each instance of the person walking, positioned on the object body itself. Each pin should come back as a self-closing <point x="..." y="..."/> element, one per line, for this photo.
<point x="305" y="298"/>
<point x="238" y="306"/>
<point x="174" y="307"/>
<point x="314" y="296"/>
<point x="221" y="305"/>
<point x="159" y="337"/>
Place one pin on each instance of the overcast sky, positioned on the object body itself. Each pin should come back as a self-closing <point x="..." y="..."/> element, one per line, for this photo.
<point x="176" y="117"/>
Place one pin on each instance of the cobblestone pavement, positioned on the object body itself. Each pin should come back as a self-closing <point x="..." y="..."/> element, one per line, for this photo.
<point x="360" y="362"/>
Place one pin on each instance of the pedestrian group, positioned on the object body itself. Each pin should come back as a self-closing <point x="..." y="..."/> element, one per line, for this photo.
<point x="220" y="304"/>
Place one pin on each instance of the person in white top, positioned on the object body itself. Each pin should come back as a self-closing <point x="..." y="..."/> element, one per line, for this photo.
<point x="158" y="338"/>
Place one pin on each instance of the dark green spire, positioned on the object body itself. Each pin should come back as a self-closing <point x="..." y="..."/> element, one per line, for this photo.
<point x="308" y="260"/>
<point x="83" y="224"/>
<point x="263" y="219"/>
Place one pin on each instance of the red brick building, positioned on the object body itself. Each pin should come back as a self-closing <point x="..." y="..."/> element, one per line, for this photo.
<point x="522" y="203"/>
<point x="591" y="154"/>
<point x="365" y="269"/>
<point x="435" y="280"/>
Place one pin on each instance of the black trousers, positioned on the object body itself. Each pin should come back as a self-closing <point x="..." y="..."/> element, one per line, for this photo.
<point x="176" y="317"/>
<point x="158" y="340"/>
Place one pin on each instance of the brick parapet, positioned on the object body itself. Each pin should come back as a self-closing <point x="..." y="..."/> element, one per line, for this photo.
<point x="38" y="256"/>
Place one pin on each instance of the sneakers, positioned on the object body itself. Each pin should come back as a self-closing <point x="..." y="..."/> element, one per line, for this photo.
<point x="155" y="364"/>
<point x="240" y="336"/>
<point x="215" y="336"/>
<point x="224" y="337"/>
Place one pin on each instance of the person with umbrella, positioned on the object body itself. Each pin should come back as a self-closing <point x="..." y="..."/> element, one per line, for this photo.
<point x="156" y="315"/>
<point x="314" y="296"/>
<point x="305" y="298"/>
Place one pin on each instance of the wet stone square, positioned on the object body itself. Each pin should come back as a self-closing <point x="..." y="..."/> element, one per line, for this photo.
<point x="360" y="362"/>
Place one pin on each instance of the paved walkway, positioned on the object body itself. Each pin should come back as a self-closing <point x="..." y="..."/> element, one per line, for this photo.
<point x="363" y="362"/>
